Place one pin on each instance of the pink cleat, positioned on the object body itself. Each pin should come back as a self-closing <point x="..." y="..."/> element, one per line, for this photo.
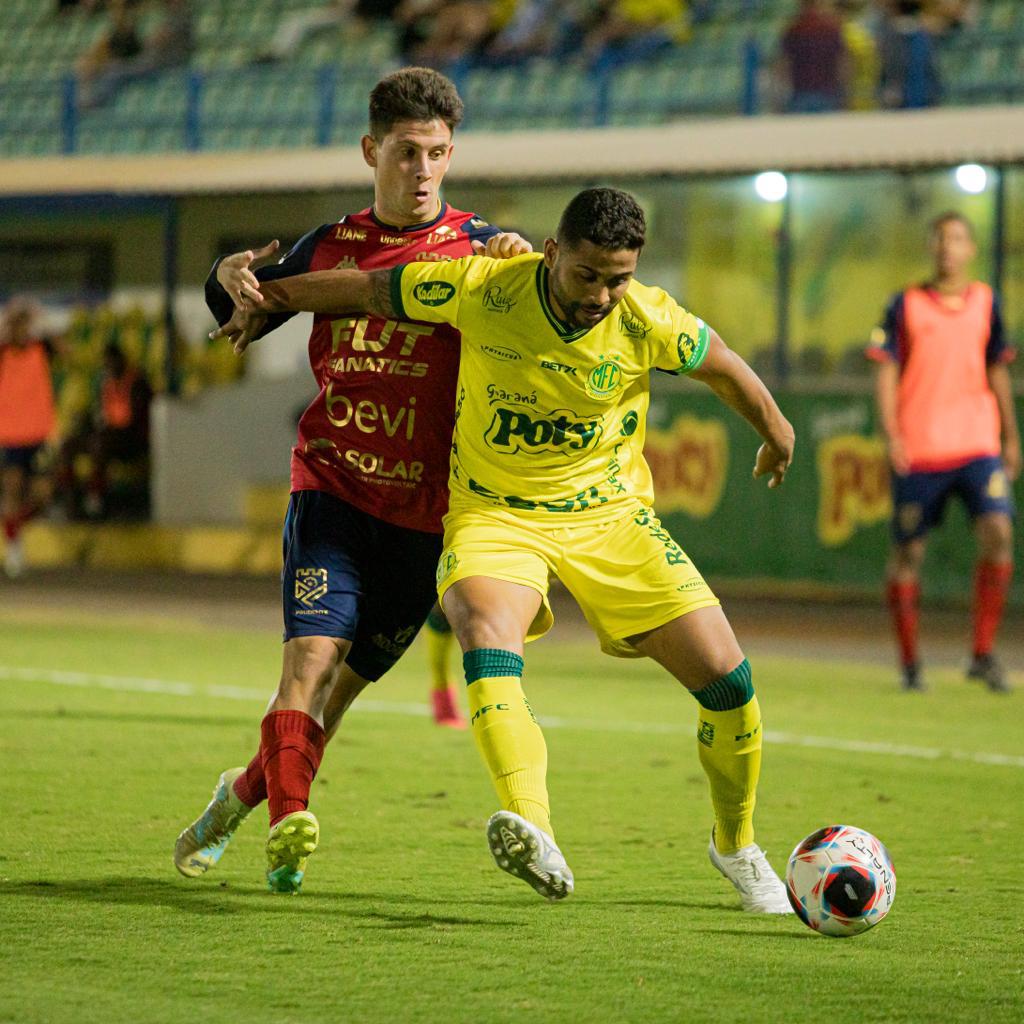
<point x="446" y="710"/>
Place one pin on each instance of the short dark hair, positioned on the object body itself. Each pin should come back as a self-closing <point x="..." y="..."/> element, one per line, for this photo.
<point x="413" y="94"/>
<point x="948" y="217"/>
<point x="606" y="217"/>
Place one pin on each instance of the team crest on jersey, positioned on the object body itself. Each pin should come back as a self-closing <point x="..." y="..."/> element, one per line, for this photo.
<point x="496" y="300"/>
<point x="690" y="349"/>
<point x="605" y="379"/>
<point x="433" y="293"/>
<point x="633" y="325"/>
<point x="310" y="585"/>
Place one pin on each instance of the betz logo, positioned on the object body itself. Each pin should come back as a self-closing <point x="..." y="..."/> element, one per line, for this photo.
<point x="496" y="301"/>
<point x="558" y="367"/>
<point x="504" y="355"/>
<point x="513" y="430"/>
<point x="310" y="585"/>
<point x="433" y="293"/>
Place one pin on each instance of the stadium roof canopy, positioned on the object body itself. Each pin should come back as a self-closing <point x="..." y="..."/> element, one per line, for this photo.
<point x="992" y="135"/>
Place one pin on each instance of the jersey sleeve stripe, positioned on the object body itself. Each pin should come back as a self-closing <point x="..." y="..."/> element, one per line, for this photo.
<point x="396" y="292"/>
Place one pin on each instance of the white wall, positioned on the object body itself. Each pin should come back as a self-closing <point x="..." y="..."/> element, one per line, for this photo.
<point x="209" y="450"/>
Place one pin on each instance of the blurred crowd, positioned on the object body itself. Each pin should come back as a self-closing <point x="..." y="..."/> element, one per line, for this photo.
<point x="833" y="54"/>
<point x="862" y="54"/>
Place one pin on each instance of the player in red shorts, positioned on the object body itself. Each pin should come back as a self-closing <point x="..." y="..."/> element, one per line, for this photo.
<point x="946" y="406"/>
<point x="362" y="534"/>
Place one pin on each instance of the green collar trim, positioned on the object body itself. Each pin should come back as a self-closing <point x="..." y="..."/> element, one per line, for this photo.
<point x="563" y="330"/>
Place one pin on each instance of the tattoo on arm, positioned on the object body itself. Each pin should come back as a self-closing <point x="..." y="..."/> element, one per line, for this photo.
<point x="380" y="294"/>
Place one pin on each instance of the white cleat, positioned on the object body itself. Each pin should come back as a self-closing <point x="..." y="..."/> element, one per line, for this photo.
<point x="203" y="843"/>
<point x="528" y="852"/>
<point x="760" y="889"/>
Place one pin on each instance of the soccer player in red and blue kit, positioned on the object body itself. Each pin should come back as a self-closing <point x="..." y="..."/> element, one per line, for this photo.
<point x="362" y="535"/>
<point x="945" y="405"/>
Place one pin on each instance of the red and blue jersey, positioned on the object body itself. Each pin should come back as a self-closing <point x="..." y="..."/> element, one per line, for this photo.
<point x="947" y="414"/>
<point x="378" y="434"/>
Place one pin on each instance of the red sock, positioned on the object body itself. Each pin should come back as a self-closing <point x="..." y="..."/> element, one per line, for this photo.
<point x="292" y="747"/>
<point x="991" y="583"/>
<point x="251" y="786"/>
<point x="903" y="603"/>
<point x="12" y="527"/>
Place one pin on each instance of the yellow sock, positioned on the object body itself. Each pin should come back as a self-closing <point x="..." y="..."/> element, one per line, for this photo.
<point x="507" y="734"/>
<point x="729" y="743"/>
<point x="439" y="646"/>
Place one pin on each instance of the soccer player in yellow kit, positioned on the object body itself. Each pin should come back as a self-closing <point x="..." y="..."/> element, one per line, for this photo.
<point x="548" y="477"/>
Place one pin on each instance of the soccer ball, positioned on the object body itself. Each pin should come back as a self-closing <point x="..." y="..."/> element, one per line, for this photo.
<point x="840" y="881"/>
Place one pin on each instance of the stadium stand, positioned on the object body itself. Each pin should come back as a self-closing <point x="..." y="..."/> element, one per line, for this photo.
<point x="226" y="100"/>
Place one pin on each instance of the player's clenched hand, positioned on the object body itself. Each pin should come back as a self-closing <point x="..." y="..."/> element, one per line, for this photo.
<point x="241" y="329"/>
<point x="502" y="246"/>
<point x="235" y="276"/>
<point x="773" y="459"/>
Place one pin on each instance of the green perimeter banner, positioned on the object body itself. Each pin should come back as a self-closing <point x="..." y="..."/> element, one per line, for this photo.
<point x="826" y="526"/>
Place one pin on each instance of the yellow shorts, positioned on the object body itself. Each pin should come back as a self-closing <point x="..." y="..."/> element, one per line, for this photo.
<point x="628" y="574"/>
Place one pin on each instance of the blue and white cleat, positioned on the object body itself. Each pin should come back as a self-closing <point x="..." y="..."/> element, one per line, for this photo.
<point x="289" y="845"/>
<point x="760" y="888"/>
<point x="528" y="852"/>
<point x="203" y="843"/>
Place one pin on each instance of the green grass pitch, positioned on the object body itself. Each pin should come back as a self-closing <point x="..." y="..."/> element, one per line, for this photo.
<point x="404" y="917"/>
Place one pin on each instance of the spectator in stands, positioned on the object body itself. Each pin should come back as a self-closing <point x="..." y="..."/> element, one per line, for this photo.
<point x="862" y="50"/>
<point x="634" y="30"/>
<point x="119" y="43"/>
<point x="910" y="73"/>
<point x="169" y="46"/>
<point x="295" y="29"/>
<point x="534" y="30"/>
<point x="121" y="428"/>
<point x="813" y="63"/>
<point x="27" y="423"/>
<point x="443" y="33"/>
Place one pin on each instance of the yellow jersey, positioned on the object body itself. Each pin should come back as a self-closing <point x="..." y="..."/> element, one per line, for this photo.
<point x="549" y="418"/>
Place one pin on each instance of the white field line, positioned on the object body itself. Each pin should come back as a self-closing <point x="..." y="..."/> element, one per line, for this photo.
<point x="136" y="684"/>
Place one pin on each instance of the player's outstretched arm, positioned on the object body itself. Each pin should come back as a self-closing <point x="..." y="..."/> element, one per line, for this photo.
<point x="741" y="389"/>
<point x="323" y="291"/>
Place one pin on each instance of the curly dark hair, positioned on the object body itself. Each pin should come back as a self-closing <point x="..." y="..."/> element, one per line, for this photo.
<point x="606" y="217"/>
<point x="413" y="94"/>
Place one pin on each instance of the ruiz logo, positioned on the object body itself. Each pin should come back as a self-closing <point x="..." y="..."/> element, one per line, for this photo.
<point x="633" y="325"/>
<point x="310" y="585"/>
<point x="512" y="430"/>
<point x="496" y="301"/>
<point x="604" y="379"/>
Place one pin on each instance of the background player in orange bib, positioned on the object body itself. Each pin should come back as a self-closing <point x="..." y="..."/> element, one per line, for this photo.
<point x="945" y="404"/>
<point x="27" y="423"/>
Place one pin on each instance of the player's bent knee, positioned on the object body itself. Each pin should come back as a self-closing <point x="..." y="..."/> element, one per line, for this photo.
<point x="311" y="663"/>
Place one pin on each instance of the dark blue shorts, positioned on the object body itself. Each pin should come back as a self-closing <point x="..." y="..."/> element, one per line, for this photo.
<point x="350" y="575"/>
<point x="25" y="457"/>
<point x="919" y="499"/>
